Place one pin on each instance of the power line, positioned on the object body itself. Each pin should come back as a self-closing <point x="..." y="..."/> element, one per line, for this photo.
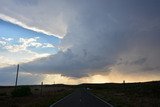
<point x="24" y="69"/>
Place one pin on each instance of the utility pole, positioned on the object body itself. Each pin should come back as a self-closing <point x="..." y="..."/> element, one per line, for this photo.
<point x="41" y="88"/>
<point x="17" y="76"/>
<point x="54" y="88"/>
<point x="124" y="83"/>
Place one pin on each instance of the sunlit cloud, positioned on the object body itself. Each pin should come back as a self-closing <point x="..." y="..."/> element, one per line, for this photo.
<point x="24" y="43"/>
<point x="10" y="51"/>
<point x="19" y="23"/>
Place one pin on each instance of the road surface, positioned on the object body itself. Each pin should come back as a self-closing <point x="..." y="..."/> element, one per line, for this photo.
<point x="81" y="98"/>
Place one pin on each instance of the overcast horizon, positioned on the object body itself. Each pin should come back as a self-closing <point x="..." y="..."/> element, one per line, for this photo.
<point x="79" y="41"/>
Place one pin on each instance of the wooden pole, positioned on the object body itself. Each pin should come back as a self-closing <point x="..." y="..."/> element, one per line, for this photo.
<point x="17" y="76"/>
<point x="41" y="88"/>
<point x="54" y="88"/>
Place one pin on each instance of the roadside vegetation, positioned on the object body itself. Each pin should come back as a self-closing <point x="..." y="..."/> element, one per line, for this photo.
<point x="33" y="96"/>
<point x="128" y="94"/>
<point x="119" y="95"/>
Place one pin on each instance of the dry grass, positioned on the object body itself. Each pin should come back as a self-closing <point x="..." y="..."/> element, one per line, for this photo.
<point x="129" y="95"/>
<point x="50" y="94"/>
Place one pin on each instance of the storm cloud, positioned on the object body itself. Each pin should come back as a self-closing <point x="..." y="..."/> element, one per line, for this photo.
<point x="101" y="35"/>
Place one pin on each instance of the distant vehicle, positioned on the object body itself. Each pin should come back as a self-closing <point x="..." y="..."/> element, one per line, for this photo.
<point x="88" y="88"/>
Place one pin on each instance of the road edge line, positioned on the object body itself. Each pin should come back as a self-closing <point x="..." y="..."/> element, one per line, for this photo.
<point x="101" y="99"/>
<point x="60" y="100"/>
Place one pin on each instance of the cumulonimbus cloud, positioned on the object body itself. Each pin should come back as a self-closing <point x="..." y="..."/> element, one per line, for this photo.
<point x="106" y="35"/>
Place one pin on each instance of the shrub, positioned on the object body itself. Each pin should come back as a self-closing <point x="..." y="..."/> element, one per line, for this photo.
<point x="36" y="89"/>
<point x="3" y="94"/>
<point x="21" y="91"/>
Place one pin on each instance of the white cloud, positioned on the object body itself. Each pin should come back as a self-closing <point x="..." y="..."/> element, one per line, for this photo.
<point x="47" y="45"/>
<point x="15" y="48"/>
<point x="12" y="58"/>
<point x="19" y="52"/>
<point x="28" y="40"/>
<point x="5" y="61"/>
<point x="33" y="42"/>
<point x="24" y="44"/>
<point x="4" y="41"/>
<point x="27" y="56"/>
<point x="17" y="22"/>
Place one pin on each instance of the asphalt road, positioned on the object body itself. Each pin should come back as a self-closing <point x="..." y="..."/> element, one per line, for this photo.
<point x="81" y="98"/>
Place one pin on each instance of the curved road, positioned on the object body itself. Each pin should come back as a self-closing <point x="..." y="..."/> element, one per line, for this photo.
<point x="81" y="98"/>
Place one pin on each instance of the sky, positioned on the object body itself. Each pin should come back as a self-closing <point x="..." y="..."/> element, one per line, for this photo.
<point x="73" y="42"/>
